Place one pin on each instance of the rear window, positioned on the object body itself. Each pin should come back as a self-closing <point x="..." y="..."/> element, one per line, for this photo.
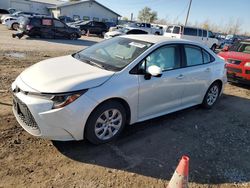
<point x="169" y="29"/>
<point x="35" y="22"/>
<point x="190" y="31"/>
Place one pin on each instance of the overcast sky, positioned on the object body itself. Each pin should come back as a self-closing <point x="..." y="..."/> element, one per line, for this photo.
<point x="218" y="11"/>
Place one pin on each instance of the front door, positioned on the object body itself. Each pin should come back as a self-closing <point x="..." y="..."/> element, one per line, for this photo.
<point x="60" y="29"/>
<point x="159" y="95"/>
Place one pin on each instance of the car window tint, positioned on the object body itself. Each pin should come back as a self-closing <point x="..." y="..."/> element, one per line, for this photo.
<point x="210" y="34"/>
<point x="136" y="31"/>
<point x="176" y="30"/>
<point x="166" y="58"/>
<point x="193" y="55"/>
<point x="200" y="32"/>
<point x="58" y="23"/>
<point x="190" y="31"/>
<point x="206" y="57"/>
<point x="204" y="33"/>
<point x="169" y="29"/>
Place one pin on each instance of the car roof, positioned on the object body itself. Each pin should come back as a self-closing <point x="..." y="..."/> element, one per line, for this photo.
<point x="157" y="39"/>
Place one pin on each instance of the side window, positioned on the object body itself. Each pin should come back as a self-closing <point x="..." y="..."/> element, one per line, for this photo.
<point x="176" y="30"/>
<point x="193" y="55"/>
<point x="204" y="33"/>
<point x="95" y="19"/>
<point x="190" y="31"/>
<point x="148" y="25"/>
<point x="210" y="34"/>
<point x="200" y="32"/>
<point x="58" y="23"/>
<point x="166" y="57"/>
<point x="207" y="58"/>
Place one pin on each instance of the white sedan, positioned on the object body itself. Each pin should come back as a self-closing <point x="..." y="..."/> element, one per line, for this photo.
<point x="94" y="93"/>
<point x="11" y="23"/>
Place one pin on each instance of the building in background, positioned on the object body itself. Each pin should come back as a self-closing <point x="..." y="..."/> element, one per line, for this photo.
<point x="85" y="10"/>
<point x="37" y="6"/>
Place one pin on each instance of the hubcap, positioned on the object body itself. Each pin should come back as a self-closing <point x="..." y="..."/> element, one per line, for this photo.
<point x="108" y="124"/>
<point x="212" y="95"/>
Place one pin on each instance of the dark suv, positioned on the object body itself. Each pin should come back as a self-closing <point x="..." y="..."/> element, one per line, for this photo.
<point x="94" y="27"/>
<point x="47" y="27"/>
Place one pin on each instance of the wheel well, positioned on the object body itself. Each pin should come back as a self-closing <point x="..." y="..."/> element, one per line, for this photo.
<point x="123" y="103"/>
<point x="219" y="82"/>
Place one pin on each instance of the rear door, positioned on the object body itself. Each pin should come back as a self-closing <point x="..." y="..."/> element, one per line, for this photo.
<point x="46" y="29"/>
<point x="196" y="75"/>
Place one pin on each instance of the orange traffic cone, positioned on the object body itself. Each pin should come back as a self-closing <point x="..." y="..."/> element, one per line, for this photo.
<point x="180" y="177"/>
<point x="88" y="33"/>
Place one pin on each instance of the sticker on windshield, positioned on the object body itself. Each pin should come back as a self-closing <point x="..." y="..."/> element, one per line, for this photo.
<point x="136" y="44"/>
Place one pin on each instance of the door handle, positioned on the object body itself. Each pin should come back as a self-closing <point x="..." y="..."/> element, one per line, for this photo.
<point x="207" y="69"/>
<point x="180" y="77"/>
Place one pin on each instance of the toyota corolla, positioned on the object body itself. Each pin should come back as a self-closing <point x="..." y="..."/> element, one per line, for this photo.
<point x="95" y="92"/>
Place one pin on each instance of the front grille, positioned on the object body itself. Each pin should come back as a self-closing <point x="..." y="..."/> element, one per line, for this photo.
<point x="247" y="71"/>
<point x="24" y="113"/>
<point x="234" y="70"/>
<point x="234" y="61"/>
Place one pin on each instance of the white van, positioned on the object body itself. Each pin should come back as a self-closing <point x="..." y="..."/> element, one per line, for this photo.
<point x="191" y="33"/>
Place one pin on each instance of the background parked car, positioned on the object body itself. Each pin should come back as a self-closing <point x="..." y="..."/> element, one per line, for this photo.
<point x="238" y="61"/>
<point x="6" y="12"/>
<point x="94" y="27"/>
<point x="47" y="27"/>
<point x="194" y="34"/>
<point x="66" y="19"/>
<point x="124" y="31"/>
<point x="11" y="23"/>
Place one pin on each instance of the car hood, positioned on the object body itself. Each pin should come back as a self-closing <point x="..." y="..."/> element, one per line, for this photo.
<point x="63" y="74"/>
<point x="235" y="55"/>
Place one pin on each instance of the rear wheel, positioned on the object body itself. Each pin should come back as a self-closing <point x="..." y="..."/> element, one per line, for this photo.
<point x="105" y="123"/>
<point x="15" y="26"/>
<point x="84" y="32"/>
<point x="212" y="95"/>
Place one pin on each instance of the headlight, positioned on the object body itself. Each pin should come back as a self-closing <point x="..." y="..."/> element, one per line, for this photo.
<point x="60" y="99"/>
<point x="247" y="64"/>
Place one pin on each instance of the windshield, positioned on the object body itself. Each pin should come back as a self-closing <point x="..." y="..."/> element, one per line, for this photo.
<point x="228" y="37"/>
<point x="243" y="47"/>
<point x="113" y="54"/>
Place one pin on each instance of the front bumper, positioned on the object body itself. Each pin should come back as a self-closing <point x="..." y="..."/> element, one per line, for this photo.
<point x="37" y="117"/>
<point x="239" y="74"/>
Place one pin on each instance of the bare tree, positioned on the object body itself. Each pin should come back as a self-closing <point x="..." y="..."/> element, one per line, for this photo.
<point x="147" y="15"/>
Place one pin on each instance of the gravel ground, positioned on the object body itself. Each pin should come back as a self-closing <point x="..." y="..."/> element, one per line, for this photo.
<point x="145" y="155"/>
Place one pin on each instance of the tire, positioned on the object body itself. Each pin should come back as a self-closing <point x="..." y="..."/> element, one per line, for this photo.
<point x="213" y="47"/>
<point x="73" y="36"/>
<point x="212" y="95"/>
<point x="84" y="32"/>
<point x="157" y="33"/>
<point x="15" y="26"/>
<point x="99" y="127"/>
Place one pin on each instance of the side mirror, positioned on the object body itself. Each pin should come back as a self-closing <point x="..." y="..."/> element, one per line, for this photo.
<point x="155" y="71"/>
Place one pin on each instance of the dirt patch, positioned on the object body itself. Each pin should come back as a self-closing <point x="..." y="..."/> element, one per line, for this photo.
<point x="145" y="155"/>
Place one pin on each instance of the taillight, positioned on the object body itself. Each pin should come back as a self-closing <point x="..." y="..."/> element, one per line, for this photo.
<point x="29" y="27"/>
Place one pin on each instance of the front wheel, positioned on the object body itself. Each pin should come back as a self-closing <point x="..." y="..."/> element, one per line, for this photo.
<point x="105" y="123"/>
<point x="73" y="36"/>
<point x="212" y="95"/>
